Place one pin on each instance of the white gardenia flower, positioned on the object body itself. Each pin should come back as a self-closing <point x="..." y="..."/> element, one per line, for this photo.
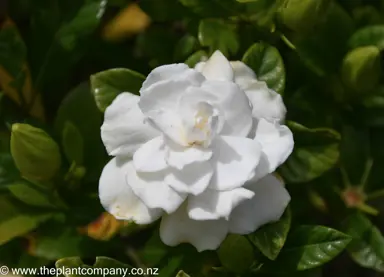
<point x="266" y="102"/>
<point x="191" y="150"/>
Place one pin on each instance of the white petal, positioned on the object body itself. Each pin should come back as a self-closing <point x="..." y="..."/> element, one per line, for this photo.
<point x="266" y="103"/>
<point x="268" y="205"/>
<point x="234" y="106"/>
<point x="117" y="197"/>
<point x="150" y="156"/>
<point x="200" y="66"/>
<point x="234" y="160"/>
<point x="172" y="72"/>
<point x="243" y="74"/>
<point x="192" y="179"/>
<point x="213" y="204"/>
<point x="217" y="68"/>
<point x="153" y="191"/>
<point x="276" y="141"/>
<point x="160" y="104"/>
<point x="124" y="129"/>
<point x="178" y="228"/>
<point x="180" y="156"/>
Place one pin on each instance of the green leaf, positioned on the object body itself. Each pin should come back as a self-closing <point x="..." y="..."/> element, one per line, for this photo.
<point x="35" y="153"/>
<point x="103" y="266"/>
<point x="185" y="47"/>
<point x="271" y="238"/>
<point x="266" y="62"/>
<point x="61" y="33"/>
<point x="79" y="107"/>
<point x="15" y="221"/>
<point x="309" y="247"/>
<point x="367" y="246"/>
<point x="53" y="241"/>
<point x="195" y="58"/>
<point x="154" y="250"/>
<point x="236" y="253"/>
<point x="106" y="85"/>
<point x="370" y="35"/>
<point x="73" y="144"/>
<point x="218" y="35"/>
<point x="31" y="195"/>
<point x="316" y="151"/>
<point x="331" y="36"/>
<point x="182" y="274"/>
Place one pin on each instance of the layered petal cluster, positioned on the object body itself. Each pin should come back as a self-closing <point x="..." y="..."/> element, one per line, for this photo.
<point x="197" y="149"/>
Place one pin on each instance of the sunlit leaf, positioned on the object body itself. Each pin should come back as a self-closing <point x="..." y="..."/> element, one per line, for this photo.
<point x="316" y="151"/>
<point x="266" y="62"/>
<point x="106" y="85"/>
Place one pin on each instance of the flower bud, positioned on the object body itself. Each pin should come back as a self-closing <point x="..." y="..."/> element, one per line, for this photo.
<point x="361" y="69"/>
<point x="302" y="15"/>
<point x="36" y="154"/>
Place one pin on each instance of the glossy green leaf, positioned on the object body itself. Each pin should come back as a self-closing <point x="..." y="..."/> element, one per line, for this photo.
<point x="367" y="246"/>
<point x="61" y="36"/>
<point x="266" y="62"/>
<point x="197" y="57"/>
<point x="309" y="247"/>
<point x="370" y="35"/>
<point x="316" y="151"/>
<point x="236" y="253"/>
<point x="35" y="153"/>
<point x="331" y="37"/>
<point x="185" y="47"/>
<point x="103" y="266"/>
<point x="73" y="143"/>
<point x="270" y="239"/>
<point x="106" y="85"/>
<point x="218" y="35"/>
<point x="31" y="195"/>
<point x="79" y="107"/>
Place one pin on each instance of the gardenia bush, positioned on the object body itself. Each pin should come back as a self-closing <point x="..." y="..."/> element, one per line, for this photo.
<point x="195" y="138"/>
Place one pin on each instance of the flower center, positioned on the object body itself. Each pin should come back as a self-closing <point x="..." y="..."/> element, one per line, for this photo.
<point x="204" y="125"/>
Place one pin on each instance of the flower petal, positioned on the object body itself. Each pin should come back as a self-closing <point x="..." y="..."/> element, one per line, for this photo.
<point x="178" y="228"/>
<point x="117" y="197"/>
<point x="160" y="104"/>
<point x="243" y="74"/>
<point x="268" y="205"/>
<point x="217" y="68"/>
<point x="213" y="204"/>
<point x="153" y="191"/>
<point x="266" y="102"/>
<point x="234" y="160"/>
<point x="234" y="106"/>
<point x="151" y="156"/>
<point x="124" y="129"/>
<point x="172" y="72"/>
<point x="276" y="142"/>
<point x="179" y="156"/>
<point x="192" y="179"/>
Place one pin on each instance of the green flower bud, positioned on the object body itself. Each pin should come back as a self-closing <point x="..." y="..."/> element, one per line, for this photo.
<point x="302" y="15"/>
<point x="36" y="154"/>
<point x="361" y="69"/>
